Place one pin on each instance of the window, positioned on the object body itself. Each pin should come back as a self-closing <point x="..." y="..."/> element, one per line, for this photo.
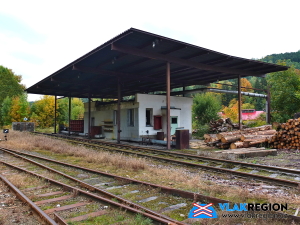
<point x="174" y="120"/>
<point x="130" y="117"/>
<point x="149" y="117"/>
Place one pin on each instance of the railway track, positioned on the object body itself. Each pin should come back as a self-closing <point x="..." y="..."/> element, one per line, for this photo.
<point x="67" y="193"/>
<point x="9" y="203"/>
<point x="97" y="183"/>
<point x="270" y="174"/>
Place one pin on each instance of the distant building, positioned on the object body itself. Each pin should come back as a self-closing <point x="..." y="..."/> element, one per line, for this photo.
<point x="250" y="114"/>
<point x="247" y="114"/>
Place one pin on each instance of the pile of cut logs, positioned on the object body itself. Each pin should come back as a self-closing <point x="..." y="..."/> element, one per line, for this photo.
<point x="249" y="137"/>
<point x="287" y="136"/>
<point x="222" y="125"/>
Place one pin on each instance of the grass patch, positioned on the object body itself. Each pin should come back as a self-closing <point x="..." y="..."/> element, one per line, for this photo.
<point x="166" y="174"/>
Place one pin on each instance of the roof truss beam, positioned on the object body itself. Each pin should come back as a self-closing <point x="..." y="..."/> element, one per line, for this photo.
<point x="175" y="60"/>
<point x="129" y="77"/>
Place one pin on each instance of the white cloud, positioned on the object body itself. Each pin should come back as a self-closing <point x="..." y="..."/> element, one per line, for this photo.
<point x="69" y="29"/>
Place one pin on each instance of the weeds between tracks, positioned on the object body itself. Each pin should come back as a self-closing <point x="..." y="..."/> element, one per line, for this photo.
<point x="142" y="169"/>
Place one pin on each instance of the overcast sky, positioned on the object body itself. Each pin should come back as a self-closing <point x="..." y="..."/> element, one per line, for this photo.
<point x="37" y="38"/>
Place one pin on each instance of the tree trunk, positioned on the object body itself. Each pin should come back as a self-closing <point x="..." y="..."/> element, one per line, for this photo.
<point x="250" y="136"/>
<point x="230" y="139"/>
<point x="236" y="145"/>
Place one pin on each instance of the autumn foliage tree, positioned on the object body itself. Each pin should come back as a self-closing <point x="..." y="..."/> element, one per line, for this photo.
<point x="10" y="86"/>
<point x="43" y="110"/>
<point x="246" y="85"/>
<point x="19" y="108"/>
<point x="232" y="111"/>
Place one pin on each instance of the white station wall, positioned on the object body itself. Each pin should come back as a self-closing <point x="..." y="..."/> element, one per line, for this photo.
<point x="142" y="102"/>
<point x="155" y="102"/>
<point x="104" y="115"/>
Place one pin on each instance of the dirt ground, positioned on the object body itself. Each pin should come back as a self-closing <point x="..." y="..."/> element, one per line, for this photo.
<point x="284" y="158"/>
<point x="13" y="211"/>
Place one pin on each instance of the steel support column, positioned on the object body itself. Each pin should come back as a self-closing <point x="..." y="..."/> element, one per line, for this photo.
<point x="119" y="112"/>
<point x="89" y="123"/>
<point x="268" y="106"/>
<point x="168" y="118"/>
<point x="240" y="102"/>
<point x="183" y="90"/>
<point x="55" y="103"/>
<point x="70" y="107"/>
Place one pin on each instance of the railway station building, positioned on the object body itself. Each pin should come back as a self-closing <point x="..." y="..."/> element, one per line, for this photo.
<point x="148" y="67"/>
<point x="143" y="116"/>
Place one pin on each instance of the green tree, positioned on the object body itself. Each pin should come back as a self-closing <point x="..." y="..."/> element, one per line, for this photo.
<point x="34" y="118"/>
<point x="205" y="108"/>
<point x="291" y="58"/>
<point x="9" y="87"/>
<point x="285" y="92"/>
<point x="63" y="111"/>
<point x="225" y="97"/>
<point x="248" y="106"/>
<point x="10" y="84"/>
<point x="77" y="110"/>
<point x="24" y="106"/>
<point x="5" y="111"/>
<point x="258" y="83"/>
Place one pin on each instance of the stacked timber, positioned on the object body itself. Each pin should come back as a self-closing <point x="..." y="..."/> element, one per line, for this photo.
<point x="249" y="137"/>
<point x="287" y="136"/>
<point x="222" y="125"/>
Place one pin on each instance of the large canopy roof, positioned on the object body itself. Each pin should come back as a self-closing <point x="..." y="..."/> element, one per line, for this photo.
<point x="138" y="59"/>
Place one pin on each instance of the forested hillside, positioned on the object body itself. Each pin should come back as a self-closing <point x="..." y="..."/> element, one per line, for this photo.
<point x="290" y="57"/>
<point x="284" y="87"/>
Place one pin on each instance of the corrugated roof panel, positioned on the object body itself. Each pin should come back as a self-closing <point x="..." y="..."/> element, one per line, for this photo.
<point x="97" y="69"/>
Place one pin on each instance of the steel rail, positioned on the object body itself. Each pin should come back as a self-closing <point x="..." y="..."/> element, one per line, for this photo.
<point x="164" y="189"/>
<point x="190" y="156"/>
<point x="291" y="217"/>
<point x="223" y="170"/>
<point x="44" y="217"/>
<point x="156" y="216"/>
<point x="93" y="188"/>
<point x="282" y="182"/>
<point x="58" y="219"/>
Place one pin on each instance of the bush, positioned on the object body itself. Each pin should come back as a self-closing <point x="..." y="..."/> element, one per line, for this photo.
<point x="254" y="123"/>
<point x="205" y="108"/>
<point x="200" y="131"/>
<point x="259" y="121"/>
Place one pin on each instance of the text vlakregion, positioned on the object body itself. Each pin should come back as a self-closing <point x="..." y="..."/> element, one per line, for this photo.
<point x="252" y="207"/>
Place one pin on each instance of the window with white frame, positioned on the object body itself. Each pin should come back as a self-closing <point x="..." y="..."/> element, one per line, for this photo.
<point x="130" y="117"/>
